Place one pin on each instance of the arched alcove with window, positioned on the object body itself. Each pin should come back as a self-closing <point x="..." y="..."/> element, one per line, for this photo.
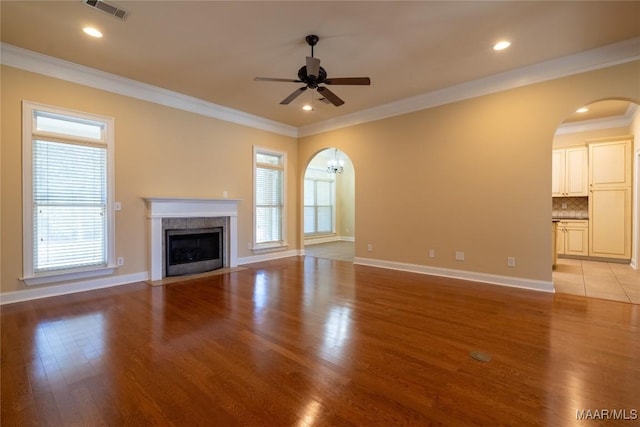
<point x="328" y="211"/>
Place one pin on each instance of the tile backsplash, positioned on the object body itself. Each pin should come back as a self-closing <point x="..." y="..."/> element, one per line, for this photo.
<point x="570" y="207"/>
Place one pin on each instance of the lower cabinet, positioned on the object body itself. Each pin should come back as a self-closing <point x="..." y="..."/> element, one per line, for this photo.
<point x="572" y="237"/>
<point x="610" y="217"/>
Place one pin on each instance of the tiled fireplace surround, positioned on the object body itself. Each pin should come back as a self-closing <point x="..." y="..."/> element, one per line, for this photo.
<point x="163" y="213"/>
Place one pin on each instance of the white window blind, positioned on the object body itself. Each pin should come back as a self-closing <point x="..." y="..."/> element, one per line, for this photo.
<point x="269" y="197"/>
<point x="69" y="205"/>
<point x="318" y="206"/>
<point x="67" y="194"/>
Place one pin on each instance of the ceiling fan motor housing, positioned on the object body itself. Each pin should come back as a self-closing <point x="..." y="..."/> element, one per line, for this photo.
<point x="312" y="82"/>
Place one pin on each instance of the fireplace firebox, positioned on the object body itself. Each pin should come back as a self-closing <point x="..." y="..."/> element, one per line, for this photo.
<point x="190" y="251"/>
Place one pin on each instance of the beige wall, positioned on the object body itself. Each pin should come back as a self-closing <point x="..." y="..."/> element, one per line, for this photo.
<point x="159" y="151"/>
<point x="470" y="176"/>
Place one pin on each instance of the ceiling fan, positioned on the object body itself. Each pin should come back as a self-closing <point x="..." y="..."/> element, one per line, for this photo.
<point x="313" y="75"/>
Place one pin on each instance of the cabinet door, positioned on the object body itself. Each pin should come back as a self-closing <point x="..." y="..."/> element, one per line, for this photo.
<point x="557" y="173"/>
<point x="560" y="233"/>
<point x="576" y="241"/>
<point x="610" y="164"/>
<point x="576" y="173"/>
<point x="610" y="219"/>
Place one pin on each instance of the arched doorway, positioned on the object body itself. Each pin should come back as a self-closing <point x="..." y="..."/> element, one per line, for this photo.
<point x="595" y="201"/>
<point x="329" y="206"/>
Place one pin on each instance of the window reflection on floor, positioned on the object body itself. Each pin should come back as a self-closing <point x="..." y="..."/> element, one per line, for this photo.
<point x="68" y="348"/>
<point x="337" y="330"/>
<point x="260" y="296"/>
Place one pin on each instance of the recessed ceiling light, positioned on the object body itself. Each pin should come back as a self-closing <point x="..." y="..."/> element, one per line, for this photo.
<point x="93" y="32"/>
<point x="501" y="45"/>
<point x="582" y="110"/>
<point x="307" y="107"/>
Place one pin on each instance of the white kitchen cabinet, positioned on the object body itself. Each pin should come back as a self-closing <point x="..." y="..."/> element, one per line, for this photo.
<point x="610" y="217"/>
<point x="572" y="237"/>
<point x="610" y="164"/>
<point x="569" y="175"/>
<point x="610" y="198"/>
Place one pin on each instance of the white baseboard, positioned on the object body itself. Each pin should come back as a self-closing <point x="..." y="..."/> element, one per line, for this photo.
<point x="328" y="239"/>
<point x="270" y="256"/>
<point x="106" y="282"/>
<point x="515" y="282"/>
<point x="71" y="288"/>
<point x="88" y="285"/>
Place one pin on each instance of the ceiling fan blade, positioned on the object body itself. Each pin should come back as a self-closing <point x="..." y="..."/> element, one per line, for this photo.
<point x="269" y="79"/>
<point x="348" y="81"/>
<point x="332" y="97"/>
<point x="294" y="95"/>
<point x="313" y="66"/>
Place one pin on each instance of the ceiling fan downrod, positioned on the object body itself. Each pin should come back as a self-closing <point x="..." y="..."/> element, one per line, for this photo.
<point x="312" y="40"/>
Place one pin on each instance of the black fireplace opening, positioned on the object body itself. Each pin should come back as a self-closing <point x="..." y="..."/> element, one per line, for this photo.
<point x="193" y="251"/>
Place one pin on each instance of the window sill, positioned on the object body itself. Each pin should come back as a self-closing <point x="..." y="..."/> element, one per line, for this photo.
<point x="46" y="278"/>
<point x="269" y="247"/>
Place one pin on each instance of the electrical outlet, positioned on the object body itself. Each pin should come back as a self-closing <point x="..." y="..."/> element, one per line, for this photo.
<point x="459" y="256"/>
<point x="225" y="194"/>
<point x="120" y="261"/>
<point x="117" y="206"/>
<point x="370" y="247"/>
<point x="564" y="206"/>
<point x="432" y="253"/>
<point x="511" y="261"/>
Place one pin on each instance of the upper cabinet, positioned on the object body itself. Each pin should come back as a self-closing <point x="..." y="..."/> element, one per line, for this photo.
<point x="610" y="164"/>
<point x="569" y="176"/>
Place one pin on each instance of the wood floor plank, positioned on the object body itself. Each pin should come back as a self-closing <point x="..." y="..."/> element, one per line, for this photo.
<point x="309" y="341"/>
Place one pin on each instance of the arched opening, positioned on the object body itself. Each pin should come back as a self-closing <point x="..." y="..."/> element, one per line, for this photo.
<point x="328" y="211"/>
<point x="595" y="201"/>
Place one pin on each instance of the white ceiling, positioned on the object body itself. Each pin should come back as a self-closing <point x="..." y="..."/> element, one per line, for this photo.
<point x="212" y="50"/>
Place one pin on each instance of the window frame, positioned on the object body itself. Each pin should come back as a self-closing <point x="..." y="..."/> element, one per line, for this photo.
<point x="29" y="134"/>
<point x="282" y="243"/>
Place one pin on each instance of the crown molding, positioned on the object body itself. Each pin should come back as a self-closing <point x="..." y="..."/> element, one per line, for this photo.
<point x="53" y="67"/>
<point x="606" y="56"/>
<point x="622" y="121"/>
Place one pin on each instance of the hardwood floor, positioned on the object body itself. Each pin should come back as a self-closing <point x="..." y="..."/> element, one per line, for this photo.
<point x="309" y="341"/>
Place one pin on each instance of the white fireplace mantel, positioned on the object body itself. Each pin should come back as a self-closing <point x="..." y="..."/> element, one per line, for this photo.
<point x="164" y="207"/>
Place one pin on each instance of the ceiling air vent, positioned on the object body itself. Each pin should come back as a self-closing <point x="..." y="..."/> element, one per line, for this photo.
<point x="107" y="8"/>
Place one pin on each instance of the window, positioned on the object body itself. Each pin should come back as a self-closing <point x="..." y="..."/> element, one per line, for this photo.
<point x="269" y="173"/>
<point x="67" y="194"/>
<point x="319" y="204"/>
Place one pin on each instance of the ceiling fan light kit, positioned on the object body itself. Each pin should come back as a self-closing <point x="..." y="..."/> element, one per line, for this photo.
<point x="313" y="75"/>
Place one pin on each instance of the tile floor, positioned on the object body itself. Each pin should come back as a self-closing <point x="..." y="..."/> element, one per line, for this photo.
<point x="604" y="280"/>
<point x="341" y="251"/>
